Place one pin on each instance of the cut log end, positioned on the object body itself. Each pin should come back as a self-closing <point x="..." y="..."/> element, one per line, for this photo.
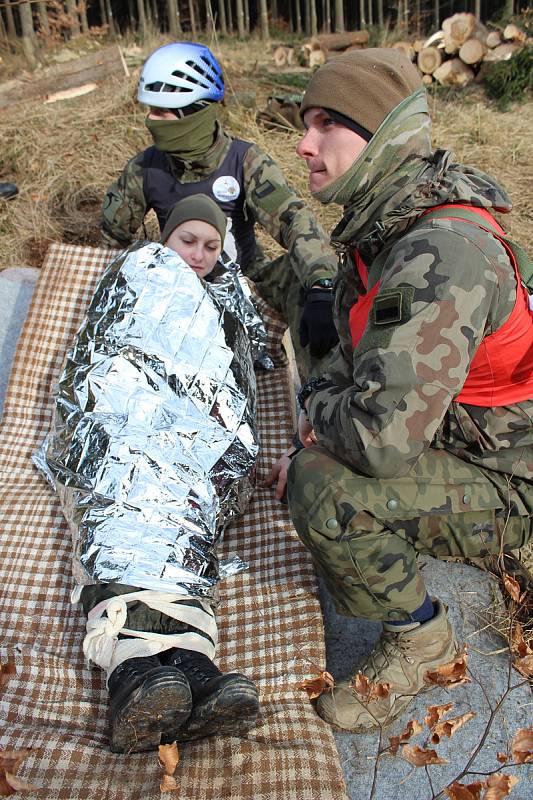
<point x="454" y="73"/>
<point x="429" y="59"/>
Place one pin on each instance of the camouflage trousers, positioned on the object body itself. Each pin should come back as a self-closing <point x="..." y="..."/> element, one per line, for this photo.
<point x="139" y="617"/>
<point x="365" y="533"/>
<point x="278" y="285"/>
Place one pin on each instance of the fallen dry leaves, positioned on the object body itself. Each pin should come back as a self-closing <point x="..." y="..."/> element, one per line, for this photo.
<point x="369" y="690"/>
<point x="523" y="653"/>
<point x="169" y="759"/>
<point x="452" y="674"/>
<point x="496" y="787"/>
<point x="512" y="587"/>
<point x="411" y="729"/>
<point x="499" y="786"/>
<point x="420" y="756"/>
<point x="435" y="714"/>
<point x="318" y="685"/>
<point x="449" y="726"/>
<point x="465" y="791"/>
<point x="10" y="761"/>
<point x="522" y="746"/>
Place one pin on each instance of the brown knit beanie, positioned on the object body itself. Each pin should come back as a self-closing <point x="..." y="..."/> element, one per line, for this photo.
<point x="197" y="206"/>
<point x="363" y="85"/>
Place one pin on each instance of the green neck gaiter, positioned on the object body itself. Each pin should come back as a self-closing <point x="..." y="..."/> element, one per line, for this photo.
<point x="188" y="138"/>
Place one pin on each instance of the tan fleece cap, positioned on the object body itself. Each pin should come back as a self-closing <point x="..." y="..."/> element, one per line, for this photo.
<point x="197" y="206"/>
<point x="364" y="85"/>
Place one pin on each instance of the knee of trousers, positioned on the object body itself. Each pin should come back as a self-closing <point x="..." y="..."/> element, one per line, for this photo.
<point x="370" y="570"/>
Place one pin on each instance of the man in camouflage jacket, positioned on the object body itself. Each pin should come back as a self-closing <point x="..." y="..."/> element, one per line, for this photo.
<point x="192" y="153"/>
<point x="394" y="463"/>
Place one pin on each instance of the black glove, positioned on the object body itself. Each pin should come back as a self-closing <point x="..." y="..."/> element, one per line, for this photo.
<point x="316" y="326"/>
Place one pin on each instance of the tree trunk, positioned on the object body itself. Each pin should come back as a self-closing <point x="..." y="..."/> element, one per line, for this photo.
<point x="83" y="16"/>
<point x="298" y="12"/>
<point x="222" y="18"/>
<point x="73" y="14"/>
<point x="314" y="23"/>
<point x="110" y="17"/>
<point x="326" y="23"/>
<point x="28" y="34"/>
<point x="362" y="14"/>
<point x="103" y="15"/>
<point x="508" y="8"/>
<point x="239" y="13"/>
<point x="380" y="13"/>
<point x="44" y="22"/>
<point x="141" y="17"/>
<point x="370" y="13"/>
<point x="436" y="14"/>
<point x="192" y="18"/>
<point x="174" y="20"/>
<point x="477" y="8"/>
<point x="274" y="5"/>
<point x="10" y="21"/>
<point x="264" y="20"/>
<point x="230" y="17"/>
<point x="247" y="17"/>
<point x="339" y="16"/>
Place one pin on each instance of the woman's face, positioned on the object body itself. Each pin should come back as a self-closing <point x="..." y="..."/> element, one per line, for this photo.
<point x="198" y="243"/>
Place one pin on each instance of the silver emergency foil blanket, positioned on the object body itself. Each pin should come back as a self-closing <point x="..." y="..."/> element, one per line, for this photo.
<point x="154" y="439"/>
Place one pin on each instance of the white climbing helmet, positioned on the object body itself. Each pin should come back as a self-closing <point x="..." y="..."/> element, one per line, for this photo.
<point x="180" y="74"/>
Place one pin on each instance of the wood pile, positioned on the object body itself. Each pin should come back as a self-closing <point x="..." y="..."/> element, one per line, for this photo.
<point x="315" y="52"/>
<point x="455" y="55"/>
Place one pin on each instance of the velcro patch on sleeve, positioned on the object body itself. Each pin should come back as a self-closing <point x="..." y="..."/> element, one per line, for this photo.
<point x="392" y="306"/>
<point x="270" y="197"/>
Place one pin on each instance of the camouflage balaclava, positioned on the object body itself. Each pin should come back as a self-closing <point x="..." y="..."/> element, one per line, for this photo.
<point x="197" y="206"/>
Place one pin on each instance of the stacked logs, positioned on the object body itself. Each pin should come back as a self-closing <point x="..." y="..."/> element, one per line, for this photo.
<point x="315" y="52"/>
<point x="455" y="55"/>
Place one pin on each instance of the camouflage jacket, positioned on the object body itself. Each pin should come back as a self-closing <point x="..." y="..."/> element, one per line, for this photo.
<point x="268" y="199"/>
<point x="392" y="397"/>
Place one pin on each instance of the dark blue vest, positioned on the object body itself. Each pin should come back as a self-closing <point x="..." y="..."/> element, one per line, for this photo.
<point x="162" y="191"/>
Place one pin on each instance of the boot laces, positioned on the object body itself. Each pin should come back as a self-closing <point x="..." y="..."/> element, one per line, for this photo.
<point x="390" y="648"/>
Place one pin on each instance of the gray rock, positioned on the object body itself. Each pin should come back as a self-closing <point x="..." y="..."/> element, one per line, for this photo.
<point x="467" y="591"/>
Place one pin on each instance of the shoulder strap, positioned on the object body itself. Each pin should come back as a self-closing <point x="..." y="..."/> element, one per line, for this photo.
<point x="483" y="219"/>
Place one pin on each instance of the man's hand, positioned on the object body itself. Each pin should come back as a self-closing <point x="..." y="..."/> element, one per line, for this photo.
<point x="305" y="430"/>
<point x="317" y="328"/>
<point x="278" y="473"/>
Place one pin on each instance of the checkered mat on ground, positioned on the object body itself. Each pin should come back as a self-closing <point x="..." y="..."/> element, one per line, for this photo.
<point x="269" y="617"/>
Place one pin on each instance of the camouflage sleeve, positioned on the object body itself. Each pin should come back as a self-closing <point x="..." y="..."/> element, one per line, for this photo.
<point x="124" y="206"/>
<point x="276" y="207"/>
<point x="440" y="291"/>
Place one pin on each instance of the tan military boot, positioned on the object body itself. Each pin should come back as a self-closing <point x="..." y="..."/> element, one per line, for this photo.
<point x="401" y="658"/>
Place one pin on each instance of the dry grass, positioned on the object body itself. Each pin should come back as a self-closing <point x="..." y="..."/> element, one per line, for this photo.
<point x="64" y="156"/>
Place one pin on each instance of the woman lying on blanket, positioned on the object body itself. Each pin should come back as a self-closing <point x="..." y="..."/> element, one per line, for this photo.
<point x="152" y="450"/>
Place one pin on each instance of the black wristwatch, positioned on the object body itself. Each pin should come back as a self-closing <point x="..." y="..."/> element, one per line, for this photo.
<point x="323" y="283"/>
<point x="308" y="388"/>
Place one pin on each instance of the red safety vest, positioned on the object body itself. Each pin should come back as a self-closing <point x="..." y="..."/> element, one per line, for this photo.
<point x="501" y="372"/>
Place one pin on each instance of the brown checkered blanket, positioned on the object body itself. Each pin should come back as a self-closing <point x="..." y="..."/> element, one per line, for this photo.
<point x="269" y="617"/>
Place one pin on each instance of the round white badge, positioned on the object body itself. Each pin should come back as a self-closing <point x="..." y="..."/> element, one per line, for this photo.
<point x="226" y="188"/>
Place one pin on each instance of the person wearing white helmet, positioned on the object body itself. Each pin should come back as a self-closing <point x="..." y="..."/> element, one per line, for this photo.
<point x="183" y="86"/>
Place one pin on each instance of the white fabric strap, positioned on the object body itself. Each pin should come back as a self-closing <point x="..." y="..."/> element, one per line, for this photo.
<point x="102" y="646"/>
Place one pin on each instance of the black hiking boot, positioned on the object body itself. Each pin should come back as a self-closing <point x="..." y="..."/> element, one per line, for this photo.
<point x="8" y="191"/>
<point x="225" y="704"/>
<point x="148" y="704"/>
